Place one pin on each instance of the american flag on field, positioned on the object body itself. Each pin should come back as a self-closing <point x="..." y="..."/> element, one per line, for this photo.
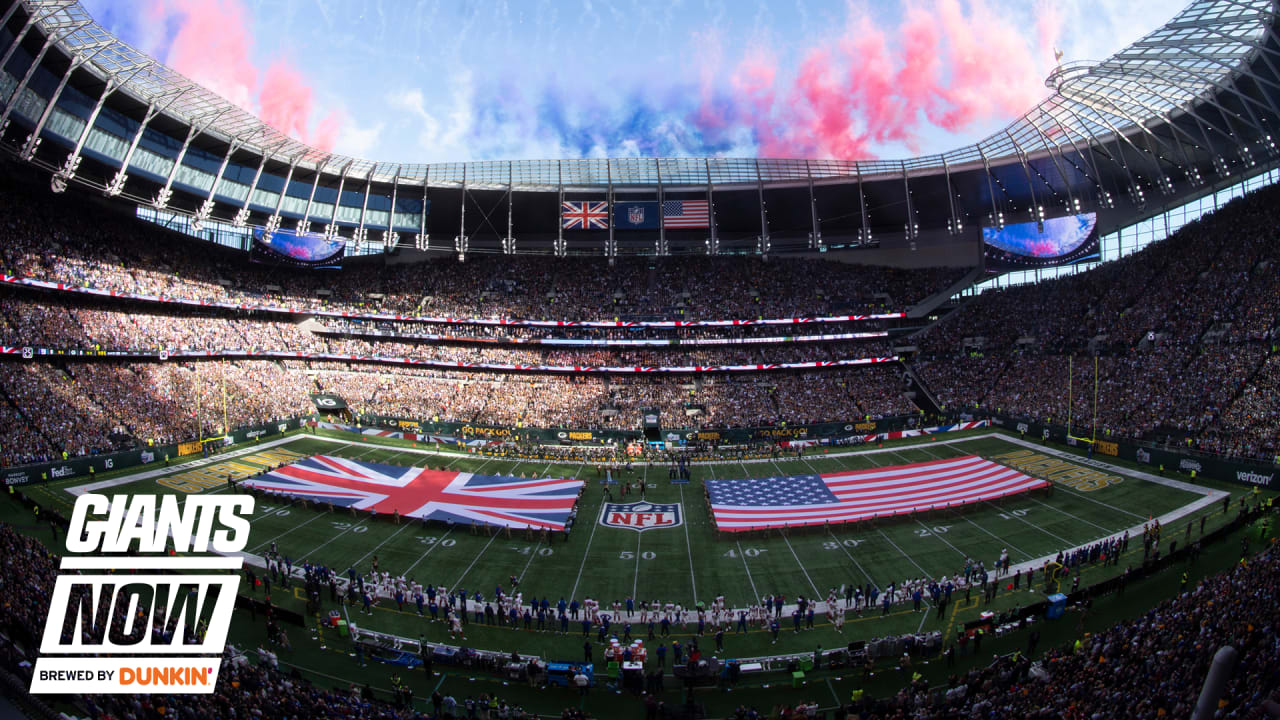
<point x="422" y="493"/>
<point x="586" y="215"/>
<point x="739" y="505"/>
<point x="678" y="214"/>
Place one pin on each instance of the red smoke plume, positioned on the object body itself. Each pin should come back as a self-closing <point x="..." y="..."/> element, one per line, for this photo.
<point x="213" y="47"/>
<point x="946" y="66"/>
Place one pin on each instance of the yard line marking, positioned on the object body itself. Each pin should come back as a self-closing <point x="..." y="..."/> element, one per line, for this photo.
<point x="585" y="553"/>
<point x="1082" y="496"/>
<point x="927" y="608"/>
<point x="1070" y="515"/>
<point x="532" y="554"/>
<point x="755" y="594"/>
<point x="833" y="693"/>
<point x="317" y="549"/>
<point x="1177" y="484"/>
<point x="635" y="577"/>
<point x="816" y="594"/>
<point x="474" y="560"/>
<point x="404" y="527"/>
<point x="1057" y="488"/>
<point x="1041" y="529"/>
<point x="904" y="554"/>
<point x="939" y="536"/>
<point x="903" y="458"/>
<point x="1004" y="542"/>
<point x="520" y="578"/>
<point x="840" y="545"/>
<point x="693" y="580"/>
<point x="425" y="554"/>
<point x="286" y="532"/>
<point x="742" y="555"/>
<point x="805" y="460"/>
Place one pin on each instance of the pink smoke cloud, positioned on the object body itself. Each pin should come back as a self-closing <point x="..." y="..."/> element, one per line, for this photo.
<point x="213" y="46"/>
<point x="947" y="66"/>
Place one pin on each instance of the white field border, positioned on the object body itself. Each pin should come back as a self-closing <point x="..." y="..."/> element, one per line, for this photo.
<point x="1209" y="496"/>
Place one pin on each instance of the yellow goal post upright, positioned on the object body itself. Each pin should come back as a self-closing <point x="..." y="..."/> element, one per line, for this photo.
<point x="1071" y="400"/>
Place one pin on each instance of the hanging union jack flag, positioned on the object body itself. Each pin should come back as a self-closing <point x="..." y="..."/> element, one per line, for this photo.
<point x="585" y="215"/>
<point x="415" y="492"/>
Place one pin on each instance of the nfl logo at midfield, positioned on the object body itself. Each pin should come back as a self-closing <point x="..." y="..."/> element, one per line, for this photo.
<point x="641" y="516"/>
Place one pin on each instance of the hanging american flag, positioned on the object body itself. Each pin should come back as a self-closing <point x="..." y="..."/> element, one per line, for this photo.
<point x="430" y="494"/>
<point x="739" y="505"/>
<point x="586" y="215"/>
<point x="678" y="214"/>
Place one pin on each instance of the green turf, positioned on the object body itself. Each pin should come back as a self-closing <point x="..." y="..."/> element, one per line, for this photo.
<point x="609" y="563"/>
<point x="692" y="562"/>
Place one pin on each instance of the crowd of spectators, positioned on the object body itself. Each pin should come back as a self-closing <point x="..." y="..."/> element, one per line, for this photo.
<point x="1150" y="666"/>
<point x="1215" y="274"/>
<point x="86" y="408"/>
<point x="83" y="408"/>
<point x="31" y="322"/>
<point x="592" y="402"/>
<point x="1185" y="333"/>
<point x="244" y="689"/>
<point x="516" y="334"/>
<point x="61" y="239"/>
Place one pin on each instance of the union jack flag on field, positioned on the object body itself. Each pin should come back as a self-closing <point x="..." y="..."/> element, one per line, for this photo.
<point x="416" y="492"/>
<point x="586" y="215"/>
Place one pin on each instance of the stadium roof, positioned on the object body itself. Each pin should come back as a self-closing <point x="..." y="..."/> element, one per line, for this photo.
<point x="1190" y="59"/>
<point x="1187" y="108"/>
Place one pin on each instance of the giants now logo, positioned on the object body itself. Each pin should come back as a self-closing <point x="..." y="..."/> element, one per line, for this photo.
<point x="641" y="516"/>
<point x="158" y="631"/>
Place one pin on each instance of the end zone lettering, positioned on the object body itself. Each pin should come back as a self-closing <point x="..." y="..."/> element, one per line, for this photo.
<point x="1059" y="471"/>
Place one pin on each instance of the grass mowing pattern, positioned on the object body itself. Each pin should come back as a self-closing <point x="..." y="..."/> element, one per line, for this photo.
<point x="672" y="564"/>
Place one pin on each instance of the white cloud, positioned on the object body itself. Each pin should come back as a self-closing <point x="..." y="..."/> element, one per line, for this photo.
<point x="357" y="141"/>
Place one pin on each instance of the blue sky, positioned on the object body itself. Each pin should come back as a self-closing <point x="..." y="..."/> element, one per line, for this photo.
<point x="446" y="80"/>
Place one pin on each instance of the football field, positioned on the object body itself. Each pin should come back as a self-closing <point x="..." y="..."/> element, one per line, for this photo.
<point x="691" y="562"/>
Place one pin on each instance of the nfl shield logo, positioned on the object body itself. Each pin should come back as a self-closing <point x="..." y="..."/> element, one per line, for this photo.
<point x="635" y="214"/>
<point x="641" y="516"/>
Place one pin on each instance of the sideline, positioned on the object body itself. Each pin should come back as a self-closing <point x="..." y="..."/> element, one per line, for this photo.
<point x="1209" y="496"/>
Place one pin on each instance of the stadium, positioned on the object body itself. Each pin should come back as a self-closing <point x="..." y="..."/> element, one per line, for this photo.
<point x="986" y="433"/>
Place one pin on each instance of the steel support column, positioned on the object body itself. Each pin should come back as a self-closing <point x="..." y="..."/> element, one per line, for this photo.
<point x="153" y="109"/>
<point x="33" y="140"/>
<point x="161" y="200"/>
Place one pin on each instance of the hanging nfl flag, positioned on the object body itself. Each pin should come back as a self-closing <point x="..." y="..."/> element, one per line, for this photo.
<point x="641" y="215"/>
<point x="586" y="215"/>
<point x="677" y="214"/>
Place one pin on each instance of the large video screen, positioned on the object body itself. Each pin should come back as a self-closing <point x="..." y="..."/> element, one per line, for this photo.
<point x="294" y="248"/>
<point x="1021" y="246"/>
